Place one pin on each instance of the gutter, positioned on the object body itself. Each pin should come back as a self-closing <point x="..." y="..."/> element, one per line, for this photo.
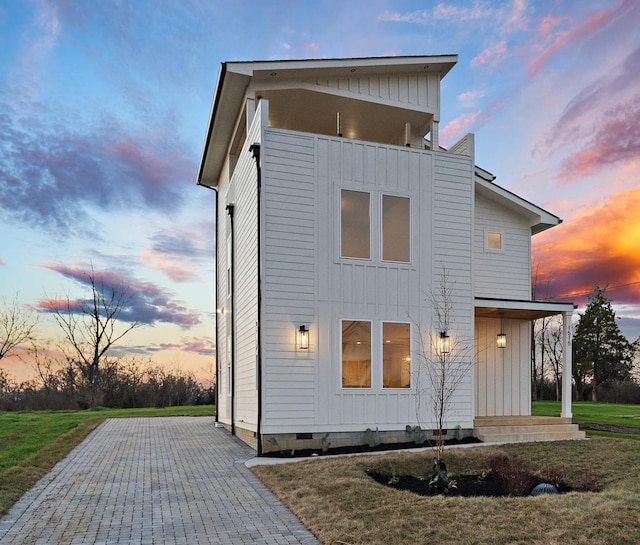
<point x="212" y="116"/>
<point x="230" y="212"/>
<point x="255" y="150"/>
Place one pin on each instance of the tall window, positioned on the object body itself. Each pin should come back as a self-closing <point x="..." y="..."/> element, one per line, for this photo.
<point x="396" y="355"/>
<point x="355" y="224"/>
<point x="356" y="354"/>
<point x="396" y="232"/>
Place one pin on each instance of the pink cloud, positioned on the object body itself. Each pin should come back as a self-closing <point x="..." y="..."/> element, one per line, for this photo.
<point x="554" y="39"/>
<point x="616" y="141"/>
<point x="2" y="262"/>
<point x="145" y="302"/>
<point x="175" y="272"/>
<point x="458" y="127"/>
<point x="490" y="56"/>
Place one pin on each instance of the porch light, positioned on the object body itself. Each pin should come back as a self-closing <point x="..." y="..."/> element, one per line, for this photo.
<point x="501" y="339"/>
<point x="303" y="337"/>
<point x="444" y="343"/>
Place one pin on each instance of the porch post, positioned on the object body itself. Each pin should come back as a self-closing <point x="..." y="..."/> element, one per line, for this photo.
<point x="567" y="373"/>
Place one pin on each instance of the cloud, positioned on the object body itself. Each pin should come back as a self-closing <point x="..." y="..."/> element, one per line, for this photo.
<point x="54" y="174"/>
<point x="441" y="12"/>
<point x="469" y="98"/>
<point x="2" y="263"/>
<point x="600" y="246"/>
<point x="490" y="56"/>
<point x="468" y="122"/>
<point x="145" y="302"/>
<point x="602" y="123"/>
<point x="181" y="252"/>
<point x="555" y="35"/>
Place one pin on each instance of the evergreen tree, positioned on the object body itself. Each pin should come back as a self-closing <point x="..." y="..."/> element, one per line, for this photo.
<point x="600" y="350"/>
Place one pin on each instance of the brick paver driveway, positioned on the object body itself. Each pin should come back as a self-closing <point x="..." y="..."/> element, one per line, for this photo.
<point x="154" y="481"/>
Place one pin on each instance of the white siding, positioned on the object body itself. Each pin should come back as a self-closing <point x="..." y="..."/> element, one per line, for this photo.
<point x="306" y="282"/>
<point x="421" y="92"/>
<point x="289" y="280"/>
<point x="452" y="252"/>
<point x="502" y="374"/>
<point x="504" y="274"/>
<point x="242" y="192"/>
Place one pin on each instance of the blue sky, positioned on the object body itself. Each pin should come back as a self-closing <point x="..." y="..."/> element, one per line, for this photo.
<point x="103" y="112"/>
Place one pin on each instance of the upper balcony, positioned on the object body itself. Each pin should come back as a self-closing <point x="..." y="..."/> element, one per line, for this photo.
<point x="388" y="100"/>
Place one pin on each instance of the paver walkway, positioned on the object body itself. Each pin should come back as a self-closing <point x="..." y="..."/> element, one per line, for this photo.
<point x="147" y="481"/>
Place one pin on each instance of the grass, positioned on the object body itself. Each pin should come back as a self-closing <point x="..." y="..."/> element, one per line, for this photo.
<point x="589" y="411"/>
<point x="342" y="505"/>
<point x="31" y="443"/>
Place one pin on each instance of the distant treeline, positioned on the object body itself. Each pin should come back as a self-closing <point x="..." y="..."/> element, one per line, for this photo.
<point x="122" y="383"/>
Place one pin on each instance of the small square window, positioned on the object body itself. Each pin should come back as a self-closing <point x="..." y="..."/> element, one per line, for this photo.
<point x="494" y="240"/>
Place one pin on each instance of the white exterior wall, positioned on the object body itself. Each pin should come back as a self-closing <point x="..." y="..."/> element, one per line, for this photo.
<point x="503" y="374"/>
<point x="241" y="191"/>
<point x="504" y="274"/>
<point x="306" y="282"/>
<point x="421" y="91"/>
<point x="452" y="252"/>
<point x="289" y="283"/>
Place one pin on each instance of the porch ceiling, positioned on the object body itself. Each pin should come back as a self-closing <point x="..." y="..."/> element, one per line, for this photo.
<point x="519" y="310"/>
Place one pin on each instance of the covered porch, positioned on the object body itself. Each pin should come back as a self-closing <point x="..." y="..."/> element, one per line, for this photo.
<point x="503" y="340"/>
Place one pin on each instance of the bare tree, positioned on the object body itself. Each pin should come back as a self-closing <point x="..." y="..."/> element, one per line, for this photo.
<point x="444" y="360"/>
<point x="91" y="328"/>
<point x="17" y="326"/>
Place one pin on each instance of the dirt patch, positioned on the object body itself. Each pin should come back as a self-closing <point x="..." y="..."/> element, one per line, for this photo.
<point x="609" y="427"/>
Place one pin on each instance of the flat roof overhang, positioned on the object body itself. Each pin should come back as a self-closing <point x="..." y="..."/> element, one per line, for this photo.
<point x="519" y="310"/>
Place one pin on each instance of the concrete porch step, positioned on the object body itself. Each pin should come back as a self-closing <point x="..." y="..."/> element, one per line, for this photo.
<point x="525" y="428"/>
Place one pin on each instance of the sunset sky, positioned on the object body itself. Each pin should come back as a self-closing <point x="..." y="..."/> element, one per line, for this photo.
<point x="103" y="112"/>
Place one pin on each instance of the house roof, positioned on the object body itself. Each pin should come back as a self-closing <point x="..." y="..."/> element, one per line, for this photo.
<point x="539" y="219"/>
<point x="235" y="77"/>
<point x="486" y="307"/>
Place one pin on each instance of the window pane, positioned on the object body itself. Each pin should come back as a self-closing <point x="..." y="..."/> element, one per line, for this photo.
<point x="355" y="224"/>
<point x="396" y="235"/>
<point x="356" y="354"/>
<point x="494" y="241"/>
<point x="396" y="355"/>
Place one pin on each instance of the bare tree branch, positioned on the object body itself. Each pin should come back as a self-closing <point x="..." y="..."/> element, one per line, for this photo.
<point x="17" y="326"/>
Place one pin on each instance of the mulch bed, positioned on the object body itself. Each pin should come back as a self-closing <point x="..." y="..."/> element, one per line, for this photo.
<point x="489" y="485"/>
<point x="359" y="449"/>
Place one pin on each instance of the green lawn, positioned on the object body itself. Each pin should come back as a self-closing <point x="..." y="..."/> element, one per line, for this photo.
<point x="589" y="411"/>
<point x="32" y="442"/>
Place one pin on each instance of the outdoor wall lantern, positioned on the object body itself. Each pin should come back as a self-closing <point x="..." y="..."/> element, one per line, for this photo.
<point x="444" y="343"/>
<point x="501" y="340"/>
<point x="303" y="337"/>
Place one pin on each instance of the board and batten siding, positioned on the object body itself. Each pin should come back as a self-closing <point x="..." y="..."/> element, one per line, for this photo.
<point x="305" y="281"/>
<point x="361" y="289"/>
<point x="503" y="374"/>
<point x="420" y="92"/>
<point x="504" y="274"/>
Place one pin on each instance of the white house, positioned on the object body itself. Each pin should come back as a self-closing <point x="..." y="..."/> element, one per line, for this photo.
<point x="337" y="211"/>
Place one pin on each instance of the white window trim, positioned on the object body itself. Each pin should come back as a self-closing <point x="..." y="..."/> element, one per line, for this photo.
<point x="382" y="195"/>
<point x="377" y="365"/>
<point x="500" y="232"/>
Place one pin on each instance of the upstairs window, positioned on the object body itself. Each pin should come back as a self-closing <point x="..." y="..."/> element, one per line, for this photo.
<point x="355" y="224"/>
<point x="494" y="240"/>
<point x="396" y="235"/>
